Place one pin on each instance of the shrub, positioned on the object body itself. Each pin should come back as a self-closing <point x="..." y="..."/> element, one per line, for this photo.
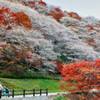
<point x="59" y="98"/>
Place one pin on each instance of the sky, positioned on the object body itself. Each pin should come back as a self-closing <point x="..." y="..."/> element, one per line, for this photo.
<point x="84" y="8"/>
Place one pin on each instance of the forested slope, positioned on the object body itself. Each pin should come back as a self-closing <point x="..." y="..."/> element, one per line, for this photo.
<point x="36" y="36"/>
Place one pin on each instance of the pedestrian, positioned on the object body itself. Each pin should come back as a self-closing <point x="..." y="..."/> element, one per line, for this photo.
<point x="6" y="91"/>
<point x="1" y="88"/>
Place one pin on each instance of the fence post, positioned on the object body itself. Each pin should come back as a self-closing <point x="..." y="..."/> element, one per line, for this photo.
<point x="46" y="91"/>
<point x="40" y="92"/>
<point x="0" y="93"/>
<point x="12" y="93"/>
<point x="24" y="93"/>
<point x="33" y="92"/>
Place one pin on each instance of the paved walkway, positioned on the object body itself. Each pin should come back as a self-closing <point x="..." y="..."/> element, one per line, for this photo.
<point x="36" y="97"/>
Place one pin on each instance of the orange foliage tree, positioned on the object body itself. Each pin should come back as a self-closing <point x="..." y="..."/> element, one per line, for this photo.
<point x="90" y="40"/>
<point x="89" y="26"/>
<point x="57" y="13"/>
<point x="74" y="15"/>
<point x="29" y="3"/>
<point x="41" y="2"/>
<point x="32" y="4"/>
<point x="23" y="19"/>
<point x="59" y="67"/>
<point x="84" y="76"/>
<point x="8" y="18"/>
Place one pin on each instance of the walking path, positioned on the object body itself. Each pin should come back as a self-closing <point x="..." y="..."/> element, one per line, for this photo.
<point x="36" y="97"/>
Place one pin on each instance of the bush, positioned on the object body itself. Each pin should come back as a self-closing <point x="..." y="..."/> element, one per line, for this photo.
<point x="29" y="74"/>
<point x="59" y="98"/>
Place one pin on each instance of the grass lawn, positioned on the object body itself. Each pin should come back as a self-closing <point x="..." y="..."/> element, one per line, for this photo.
<point x="20" y="84"/>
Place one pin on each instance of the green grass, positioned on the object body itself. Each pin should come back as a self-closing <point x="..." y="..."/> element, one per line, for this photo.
<point x="20" y="84"/>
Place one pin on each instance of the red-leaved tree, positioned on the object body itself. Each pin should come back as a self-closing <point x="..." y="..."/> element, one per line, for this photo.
<point x="59" y="67"/>
<point x="89" y="26"/>
<point x="42" y="3"/>
<point x="8" y="18"/>
<point x="23" y="19"/>
<point x="57" y="13"/>
<point x="74" y="15"/>
<point x="83" y="75"/>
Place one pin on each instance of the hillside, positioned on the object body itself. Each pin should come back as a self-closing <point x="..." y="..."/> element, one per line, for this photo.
<point x="44" y="36"/>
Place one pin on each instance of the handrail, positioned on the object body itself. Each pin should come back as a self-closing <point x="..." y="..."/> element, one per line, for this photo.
<point x="24" y="92"/>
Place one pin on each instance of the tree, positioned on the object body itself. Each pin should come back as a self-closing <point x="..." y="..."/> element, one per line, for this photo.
<point x="74" y="15"/>
<point x="57" y="13"/>
<point x="83" y="75"/>
<point x="23" y="19"/>
<point x="89" y="26"/>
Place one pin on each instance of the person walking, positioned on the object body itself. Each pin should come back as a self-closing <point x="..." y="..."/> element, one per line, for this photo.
<point x="1" y="88"/>
<point x="6" y="92"/>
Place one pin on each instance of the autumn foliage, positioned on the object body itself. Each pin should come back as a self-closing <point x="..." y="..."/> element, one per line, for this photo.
<point x="57" y="13"/>
<point x="90" y="40"/>
<point x="19" y="18"/>
<point x="59" y="67"/>
<point x="7" y="17"/>
<point x="32" y="4"/>
<point x="89" y="26"/>
<point x="74" y="15"/>
<point x="83" y="75"/>
<point x="43" y="3"/>
<point x="23" y="19"/>
<point x="29" y="3"/>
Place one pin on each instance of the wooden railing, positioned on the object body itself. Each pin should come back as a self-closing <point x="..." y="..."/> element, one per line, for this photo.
<point x="24" y="92"/>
